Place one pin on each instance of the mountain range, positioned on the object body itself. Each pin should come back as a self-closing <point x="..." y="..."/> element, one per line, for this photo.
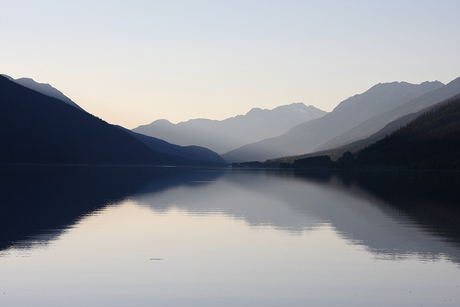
<point x="37" y="128"/>
<point x="376" y="123"/>
<point x="355" y="139"/>
<point x="372" y="110"/>
<point x="224" y="135"/>
<point x="39" y="124"/>
<point x="427" y="139"/>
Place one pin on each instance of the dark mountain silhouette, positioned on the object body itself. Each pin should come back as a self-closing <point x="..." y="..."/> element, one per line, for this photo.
<point x="190" y="152"/>
<point x="222" y="136"/>
<point x="431" y="141"/>
<point x="376" y="123"/>
<point x="44" y="88"/>
<point x="304" y="138"/>
<point x="36" y="128"/>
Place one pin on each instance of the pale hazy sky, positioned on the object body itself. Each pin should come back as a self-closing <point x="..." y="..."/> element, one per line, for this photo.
<point x="132" y="62"/>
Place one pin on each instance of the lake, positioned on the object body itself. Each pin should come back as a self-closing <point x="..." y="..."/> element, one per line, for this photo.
<point x="147" y="236"/>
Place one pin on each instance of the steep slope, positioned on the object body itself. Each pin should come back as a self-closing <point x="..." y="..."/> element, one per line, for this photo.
<point x="222" y="136"/>
<point x="45" y="89"/>
<point x="306" y="137"/>
<point x="356" y="146"/>
<point x="431" y="141"/>
<point x="35" y="128"/>
<point x="375" y="123"/>
<point x="190" y="152"/>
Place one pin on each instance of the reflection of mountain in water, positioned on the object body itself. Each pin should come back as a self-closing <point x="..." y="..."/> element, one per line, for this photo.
<point x="392" y="214"/>
<point x="395" y="214"/>
<point x="39" y="202"/>
<point x="237" y="195"/>
<point x="375" y="210"/>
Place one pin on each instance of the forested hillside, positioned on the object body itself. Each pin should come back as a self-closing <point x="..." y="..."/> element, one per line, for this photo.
<point x="431" y="141"/>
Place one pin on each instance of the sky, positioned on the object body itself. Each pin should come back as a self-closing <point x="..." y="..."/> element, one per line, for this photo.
<point x="133" y="62"/>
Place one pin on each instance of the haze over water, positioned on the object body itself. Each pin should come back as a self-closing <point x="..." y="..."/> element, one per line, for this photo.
<point x="208" y="237"/>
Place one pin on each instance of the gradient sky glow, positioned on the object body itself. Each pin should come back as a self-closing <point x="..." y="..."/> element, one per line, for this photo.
<point x="132" y="62"/>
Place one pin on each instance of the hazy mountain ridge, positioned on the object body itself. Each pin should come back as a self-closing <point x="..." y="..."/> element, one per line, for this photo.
<point x="356" y="146"/>
<point x="44" y="88"/>
<point x="427" y="139"/>
<point x="305" y="137"/>
<point x="227" y="134"/>
<point x="431" y="141"/>
<point x="375" y="123"/>
<point x="36" y="128"/>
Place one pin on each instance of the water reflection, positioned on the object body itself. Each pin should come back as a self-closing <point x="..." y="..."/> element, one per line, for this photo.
<point x="251" y="197"/>
<point x="394" y="215"/>
<point x="37" y="203"/>
<point x="405" y="213"/>
<point x="102" y="236"/>
<point x="376" y="210"/>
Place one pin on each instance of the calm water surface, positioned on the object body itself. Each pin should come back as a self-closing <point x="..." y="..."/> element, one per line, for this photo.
<point x="101" y="236"/>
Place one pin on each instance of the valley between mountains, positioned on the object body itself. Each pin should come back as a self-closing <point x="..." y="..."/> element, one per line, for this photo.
<point x="39" y="124"/>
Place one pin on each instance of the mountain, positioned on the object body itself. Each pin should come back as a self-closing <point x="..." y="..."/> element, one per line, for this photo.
<point x="376" y="123"/>
<point x="222" y="136"/>
<point x="431" y="141"/>
<point x="190" y="152"/>
<point x="45" y="89"/>
<point x="356" y="146"/>
<point x="36" y="128"/>
<point x="307" y="136"/>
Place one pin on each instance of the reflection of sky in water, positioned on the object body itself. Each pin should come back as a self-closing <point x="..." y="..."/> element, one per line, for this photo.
<point x="237" y="239"/>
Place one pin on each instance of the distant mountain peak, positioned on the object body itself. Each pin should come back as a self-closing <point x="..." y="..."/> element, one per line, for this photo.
<point x="296" y="105"/>
<point x="163" y="121"/>
<point x="300" y="107"/>
<point x="434" y="82"/>
<point x="255" y="110"/>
